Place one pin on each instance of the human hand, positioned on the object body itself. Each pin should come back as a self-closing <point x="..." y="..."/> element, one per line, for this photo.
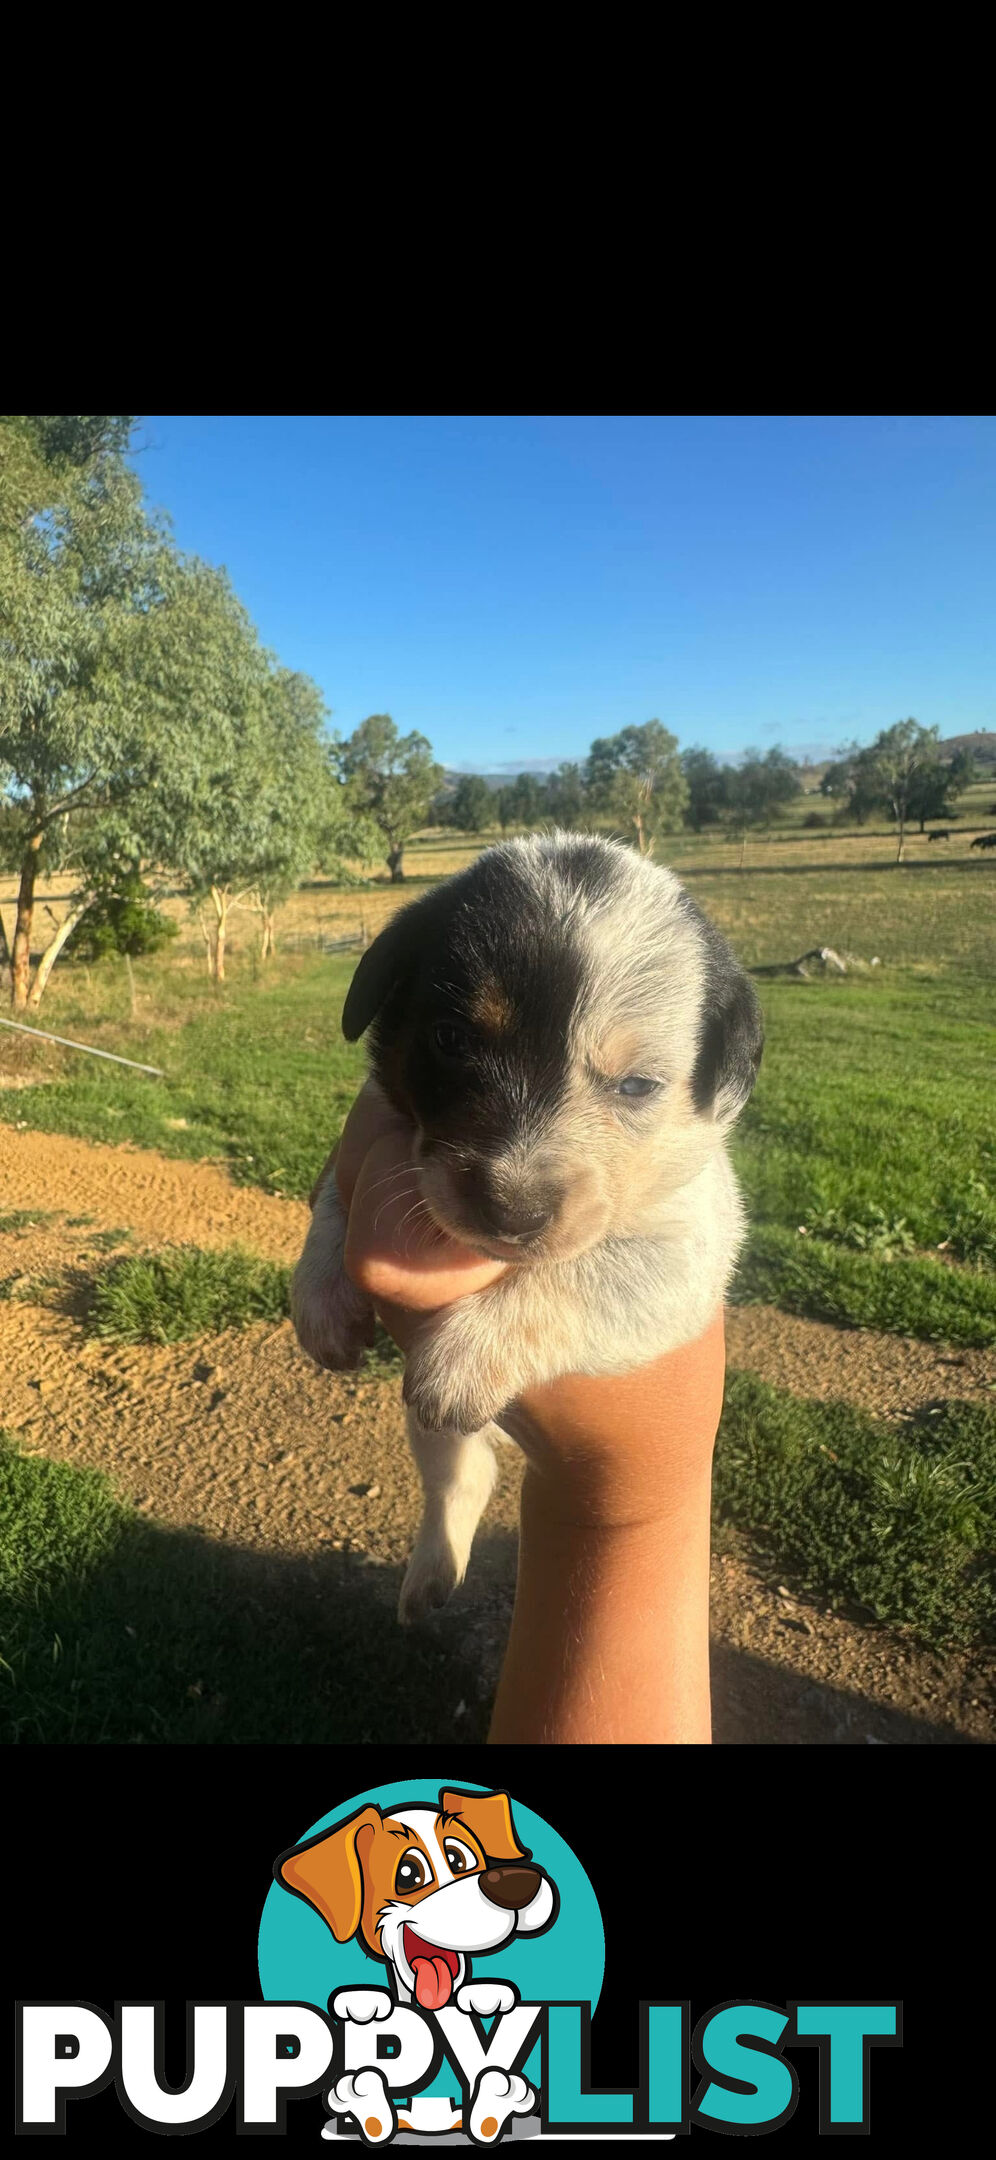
<point x="607" y="1446"/>
<point x="610" y="1632"/>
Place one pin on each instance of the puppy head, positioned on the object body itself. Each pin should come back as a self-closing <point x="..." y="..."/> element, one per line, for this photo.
<point x="569" y="1035"/>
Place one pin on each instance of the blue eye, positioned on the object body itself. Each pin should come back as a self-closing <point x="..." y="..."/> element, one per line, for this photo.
<point x="636" y="1084"/>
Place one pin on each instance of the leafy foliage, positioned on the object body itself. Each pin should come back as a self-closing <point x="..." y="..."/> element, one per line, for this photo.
<point x="390" y="779"/>
<point x="637" y="778"/>
<point x="120" y="919"/>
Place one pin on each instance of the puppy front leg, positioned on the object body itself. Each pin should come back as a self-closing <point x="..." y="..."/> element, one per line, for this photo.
<point x="457" y="1472"/>
<point x="333" y="1320"/>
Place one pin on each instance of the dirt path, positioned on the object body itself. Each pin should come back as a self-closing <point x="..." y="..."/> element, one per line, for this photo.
<point x="159" y="1199"/>
<point x="243" y="1438"/>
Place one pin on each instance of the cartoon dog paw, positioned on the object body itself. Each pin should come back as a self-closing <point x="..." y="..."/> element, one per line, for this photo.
<point x="361" y="2005"/>
<point x="486" y="1998"/>
<point x="365" y="2095"/>
<point x="497" y="2095"/>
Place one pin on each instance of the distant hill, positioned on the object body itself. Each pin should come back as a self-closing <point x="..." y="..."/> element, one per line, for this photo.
<point x="982" y="745"/>
<point x="540" y="766"/>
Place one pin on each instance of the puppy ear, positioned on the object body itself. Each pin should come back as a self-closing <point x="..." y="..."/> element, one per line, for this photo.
<point x="326" y="1872"/>
<point x="489" y="1816"/>
<point x="392" y="956"/>
<point x="732" y="1032"/>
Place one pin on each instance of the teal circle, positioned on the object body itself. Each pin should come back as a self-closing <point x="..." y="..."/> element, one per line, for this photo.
<point x="300" y="1960"/>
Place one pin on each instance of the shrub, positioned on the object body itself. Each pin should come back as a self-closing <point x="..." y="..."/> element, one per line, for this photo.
<point x="121" y="919"/>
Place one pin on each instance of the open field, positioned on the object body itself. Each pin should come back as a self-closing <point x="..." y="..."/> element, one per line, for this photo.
<point x="285" y="1504"/>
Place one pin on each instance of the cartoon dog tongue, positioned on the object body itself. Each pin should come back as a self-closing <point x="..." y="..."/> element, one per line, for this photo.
<point x="433" y="1982"/>
<point x="435" y="1970"/>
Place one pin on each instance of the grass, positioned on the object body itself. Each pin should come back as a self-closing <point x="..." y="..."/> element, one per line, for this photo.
<point x="871" y="1126"/>
<point x="863" y="1289"/>
<point x="183" y="1292"/>
<point x="259" y="1077"/>
<point x="115" y="1629"/>
<point x="899" y="1522"/>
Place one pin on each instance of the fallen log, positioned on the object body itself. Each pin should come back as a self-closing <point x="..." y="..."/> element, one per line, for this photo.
<point x="820" y="960"/>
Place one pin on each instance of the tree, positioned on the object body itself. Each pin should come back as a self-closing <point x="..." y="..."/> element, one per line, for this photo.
<point x="894" y="766"/>
<point x="757" y="788"/>
<point x="85" y="579"/>
<point x="241" y="821"/>
<point x="391" y="779"/>
<point x="931" y="794"/>
<point x="961" y="771"/>
<point x="505" y="807"/>
<point x="471" y="804"/>
<point x="636" y="777"/>
<point x="565" y="797"/>
<point x="706" y="781"/>
<point x="306" y="819"/>
<point x="848" y="782"/>
<point x="527" y="799"/>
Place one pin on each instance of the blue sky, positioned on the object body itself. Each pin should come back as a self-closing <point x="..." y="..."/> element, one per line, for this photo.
<point x="513" y="587"/>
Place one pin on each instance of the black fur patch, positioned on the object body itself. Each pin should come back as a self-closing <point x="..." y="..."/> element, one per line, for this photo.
<point x="488" y="925"/>
<point x="731" y="1039"/>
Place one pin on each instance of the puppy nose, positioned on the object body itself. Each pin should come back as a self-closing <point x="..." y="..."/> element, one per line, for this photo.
<point x="511" y="1887"/>
<point x="516" y="1221"/>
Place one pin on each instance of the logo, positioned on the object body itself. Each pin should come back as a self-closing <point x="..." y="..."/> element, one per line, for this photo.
<point x="430" y="1960"/>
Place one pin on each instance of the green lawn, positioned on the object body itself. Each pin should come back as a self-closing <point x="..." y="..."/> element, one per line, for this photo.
<point x="870" y="1133"/>
<point x="116" y="1629"/>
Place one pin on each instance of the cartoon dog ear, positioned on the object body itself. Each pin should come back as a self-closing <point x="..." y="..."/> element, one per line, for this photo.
<point x="327" y="1874"/>
<point x="391" y="957"/>
<point x="732" y="1033"/>
<point x="489" y="1816"/>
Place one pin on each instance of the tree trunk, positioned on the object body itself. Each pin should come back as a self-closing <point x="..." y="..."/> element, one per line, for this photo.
<point x="268" y="944"/>
<point x="20" y="966"/>
<point x="394" y="856"/>
<point x="220" y="900"/>
<point x="5" y="952"/>
<point x="52" y="951"/>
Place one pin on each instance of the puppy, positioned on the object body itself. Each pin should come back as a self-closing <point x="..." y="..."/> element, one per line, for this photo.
<point x="572" y="1042"/>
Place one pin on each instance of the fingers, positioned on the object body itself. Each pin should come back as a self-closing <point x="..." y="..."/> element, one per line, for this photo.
<point x="394" y="1251"/>
<point x="370" y="1119"/>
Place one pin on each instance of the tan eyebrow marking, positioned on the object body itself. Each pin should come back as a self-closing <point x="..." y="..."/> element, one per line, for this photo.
<point x="491" y="1007"/>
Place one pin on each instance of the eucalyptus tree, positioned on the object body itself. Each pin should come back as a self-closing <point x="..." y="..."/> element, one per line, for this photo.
<point x="392" y="780"/>
<point x="635" y="777"/>
<point x="309" y="819"/>
<point x="85" y="578"/>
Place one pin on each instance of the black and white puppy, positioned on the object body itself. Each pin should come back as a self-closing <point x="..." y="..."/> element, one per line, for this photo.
<point x="572" y="1042"/>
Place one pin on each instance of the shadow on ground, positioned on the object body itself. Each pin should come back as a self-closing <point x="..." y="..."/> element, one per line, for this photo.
<point x="171" y="1637"/>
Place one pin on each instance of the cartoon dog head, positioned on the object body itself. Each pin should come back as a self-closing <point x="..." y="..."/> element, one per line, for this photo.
<point x="568" y="1034"/>
<point x="424" y="1887"/>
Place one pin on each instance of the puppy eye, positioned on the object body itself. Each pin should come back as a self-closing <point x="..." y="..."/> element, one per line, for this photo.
<point x="413" y="1872"/>
<point x="452" y="1041"/>
<point x="637" y="1084"/>
<point x="458" y="1859"/>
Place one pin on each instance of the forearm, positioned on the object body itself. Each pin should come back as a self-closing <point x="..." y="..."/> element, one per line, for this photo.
<point x="610" y="1634"/>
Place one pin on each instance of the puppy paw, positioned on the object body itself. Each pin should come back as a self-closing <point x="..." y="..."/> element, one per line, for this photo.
<point x="333" y="1321"/>
<point x="429" y="1583"/>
